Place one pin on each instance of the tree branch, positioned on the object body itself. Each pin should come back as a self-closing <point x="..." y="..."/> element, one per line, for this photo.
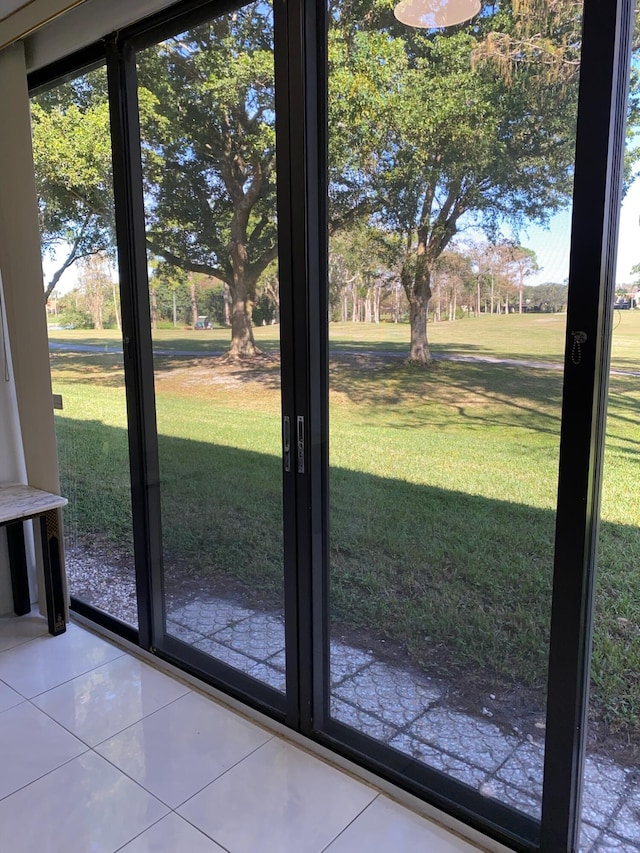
<point x="186" y="264"/>
<point x="362" y="208"/>
<point x="263" y="262"/>
<point x="73" y="256"/>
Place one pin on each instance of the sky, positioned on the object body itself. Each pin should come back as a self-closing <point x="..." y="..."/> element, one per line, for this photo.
<point x="552" y="245"/>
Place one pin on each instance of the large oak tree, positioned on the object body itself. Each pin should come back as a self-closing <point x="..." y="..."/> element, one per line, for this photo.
<point x="432" y="131"/>
<point x="208" y="134"/>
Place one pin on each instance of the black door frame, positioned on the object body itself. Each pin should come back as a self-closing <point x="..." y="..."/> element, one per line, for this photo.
<point x="599" y="168"/>
<point x="301" y="91"/>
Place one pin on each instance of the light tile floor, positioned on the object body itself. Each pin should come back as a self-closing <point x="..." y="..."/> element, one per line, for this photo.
<point x="409" y="712"/>
<point x="103" y="753"/>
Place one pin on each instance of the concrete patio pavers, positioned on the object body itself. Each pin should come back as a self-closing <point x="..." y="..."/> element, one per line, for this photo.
<point x="225" y="653"/>
<point x="359" y="719"/>
<point x="439" y="760"/>
<point x="627" y="821"/>
<point x="346" y="661"/>
<point x="523" y="768"/>
<point x="392" y="694"/>
<point x="208" y="616"/>
<point x="467" y="738"/>
<point x="589" y="835"/>
<point x="269" y="675"/>
<point x="605" y="787"/>
<point x="511" y="796"/>
<point x="260" y="636"/>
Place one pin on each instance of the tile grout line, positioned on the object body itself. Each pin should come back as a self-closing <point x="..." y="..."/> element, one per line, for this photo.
<point x="224" y="773"/>
<point x="352" y="821"/>
<point x="374" y="791"/>
<point x="155" y="796"/>
<point x="48" y="773"/>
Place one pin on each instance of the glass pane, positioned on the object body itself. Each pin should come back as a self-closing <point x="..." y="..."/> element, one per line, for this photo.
<point x="72" y="151"/>
<point x="450" y="184"/>
<point x="208" y="128"/>
<point x="611" y="792"/>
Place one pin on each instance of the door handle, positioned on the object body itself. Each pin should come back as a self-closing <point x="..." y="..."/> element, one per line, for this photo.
<point x="286" y="442"/>
<point x="300" y="443"/>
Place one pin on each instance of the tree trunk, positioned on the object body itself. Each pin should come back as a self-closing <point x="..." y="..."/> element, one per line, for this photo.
<point x="226" y="296"/>
<point x="96" y="305"/>
<point x="243" y="344"/>
<point x="115" y="307"/>
<point x="242" y="291"/>
<point x="418" y="310"/>
<point x="416" y="281"/>
<point x="368" y="307"/>
<point x="154" y="309"/>
<point x="194" y="302"/>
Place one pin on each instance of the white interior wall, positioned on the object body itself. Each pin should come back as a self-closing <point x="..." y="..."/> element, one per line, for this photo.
<point x="12" y="467"/>
<point x="23" y="288"/>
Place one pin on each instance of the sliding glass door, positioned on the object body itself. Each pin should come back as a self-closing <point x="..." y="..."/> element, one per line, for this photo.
<point x="462" y="400"/>
<point x="72" y="152"/>
<point x="445" y="389"/>
<point x="207" y="127"/>
<point x="364" y="408"/>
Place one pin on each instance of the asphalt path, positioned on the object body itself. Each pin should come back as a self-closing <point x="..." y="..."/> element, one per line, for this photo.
<point x="57" y="346"/>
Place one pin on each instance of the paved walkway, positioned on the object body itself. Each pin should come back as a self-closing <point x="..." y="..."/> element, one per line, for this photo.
<point x="116" y="349"/>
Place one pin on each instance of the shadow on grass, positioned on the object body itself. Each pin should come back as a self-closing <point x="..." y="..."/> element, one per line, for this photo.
<point x="400" y="349"/>
<point x="397" y="395"/>
<point x="502" y="395"/>
<point x="451" y="393"/>
<point x="458" y="584"/>
<point x="107" y="369"/>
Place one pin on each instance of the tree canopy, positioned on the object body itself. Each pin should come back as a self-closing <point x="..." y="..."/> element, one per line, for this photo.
<point x="72" y="157"/>
<point x="431" y="133"/>
<point x="435" y="131"/>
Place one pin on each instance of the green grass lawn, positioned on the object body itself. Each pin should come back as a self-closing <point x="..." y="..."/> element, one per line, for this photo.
<point x="442" y="488"/>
